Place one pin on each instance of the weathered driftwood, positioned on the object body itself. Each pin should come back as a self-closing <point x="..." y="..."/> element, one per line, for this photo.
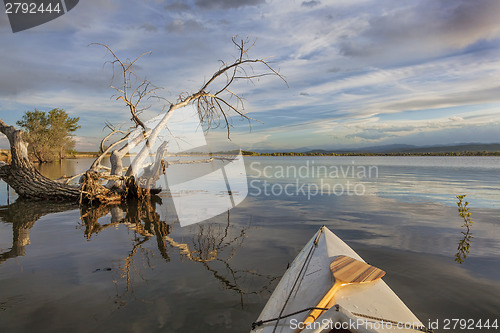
<point x="24" y="178"/>
<point x="28" y="182"/>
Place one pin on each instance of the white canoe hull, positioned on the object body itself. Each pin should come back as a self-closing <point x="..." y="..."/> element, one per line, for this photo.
<point x="311" y="270"/>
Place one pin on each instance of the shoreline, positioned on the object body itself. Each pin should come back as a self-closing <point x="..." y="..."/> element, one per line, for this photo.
<point x="5" y="154"/>
<point x="429" y="154"/>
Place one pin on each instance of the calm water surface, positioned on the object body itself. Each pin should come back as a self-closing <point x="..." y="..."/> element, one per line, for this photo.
<point x="134" y="269"/>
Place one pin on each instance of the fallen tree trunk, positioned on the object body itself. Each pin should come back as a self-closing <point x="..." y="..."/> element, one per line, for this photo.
<point x="24" y="178"/>
<point x="29" y="183"/>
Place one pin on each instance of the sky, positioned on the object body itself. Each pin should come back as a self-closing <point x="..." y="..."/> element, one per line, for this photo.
<point x="358" y="72"/>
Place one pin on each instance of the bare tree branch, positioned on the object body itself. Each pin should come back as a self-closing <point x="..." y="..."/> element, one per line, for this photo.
<point x="216" y="102"/>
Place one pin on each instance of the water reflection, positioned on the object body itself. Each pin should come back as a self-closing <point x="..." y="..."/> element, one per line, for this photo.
<point x="23" y="214"/>
<point x="62" y="168"/>
<point x="211" y="245"/>
<point x="463" y="248"/>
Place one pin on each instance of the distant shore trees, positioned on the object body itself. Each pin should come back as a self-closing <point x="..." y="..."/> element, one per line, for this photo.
<point x="313" y="153"/>
<point x="48" y="134"/>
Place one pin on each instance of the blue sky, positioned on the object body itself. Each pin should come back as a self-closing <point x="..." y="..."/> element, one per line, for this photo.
<point x="360" y="72"/>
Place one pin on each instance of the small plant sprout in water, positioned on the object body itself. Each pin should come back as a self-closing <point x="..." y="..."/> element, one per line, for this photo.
<point x="464" y="244"/>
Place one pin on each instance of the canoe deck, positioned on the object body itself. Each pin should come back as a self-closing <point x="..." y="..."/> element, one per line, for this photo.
<point x="308" y="279"/>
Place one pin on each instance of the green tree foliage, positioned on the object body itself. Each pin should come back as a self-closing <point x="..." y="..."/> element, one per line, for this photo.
<point x="49" y="135"/>
<point x="464" y="244"/>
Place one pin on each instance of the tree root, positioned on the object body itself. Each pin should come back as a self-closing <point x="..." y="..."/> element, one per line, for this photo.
<point x="93" y="192"/>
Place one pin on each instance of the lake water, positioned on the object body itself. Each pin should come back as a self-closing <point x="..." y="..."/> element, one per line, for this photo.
<point x="135" y="269"/>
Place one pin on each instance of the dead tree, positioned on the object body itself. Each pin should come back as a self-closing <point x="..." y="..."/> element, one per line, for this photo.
<point x="24" y="178"/>
<point x="215" y="103"/>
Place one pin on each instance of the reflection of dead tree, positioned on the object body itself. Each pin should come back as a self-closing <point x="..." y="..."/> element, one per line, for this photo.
<point x="90" y="216"/>
<point x="215" y="246"/>
<point x="233" y="281"/>
<point x="129" y="262"/>
<point x="23" y="214"/>
<point x="208" y="243"/>
<point x="141" y="218"/>
<point x="134" y="214"/>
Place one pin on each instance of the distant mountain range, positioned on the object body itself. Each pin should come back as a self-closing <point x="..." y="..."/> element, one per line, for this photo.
<point x="400" y="148"/>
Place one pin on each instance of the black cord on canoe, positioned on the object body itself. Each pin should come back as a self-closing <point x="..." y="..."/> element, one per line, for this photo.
<point x="262" y="322"/>
<point x="420" y="328"/>
<point x="306" y="261"/>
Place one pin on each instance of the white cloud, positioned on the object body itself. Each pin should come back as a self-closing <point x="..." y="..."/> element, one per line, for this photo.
<point x="373" y="129"/>
<point x="87" y="143"/>
<point x="345" y="61"/>
<point x="184" y="26"/>
<point x="425" y="28"/>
